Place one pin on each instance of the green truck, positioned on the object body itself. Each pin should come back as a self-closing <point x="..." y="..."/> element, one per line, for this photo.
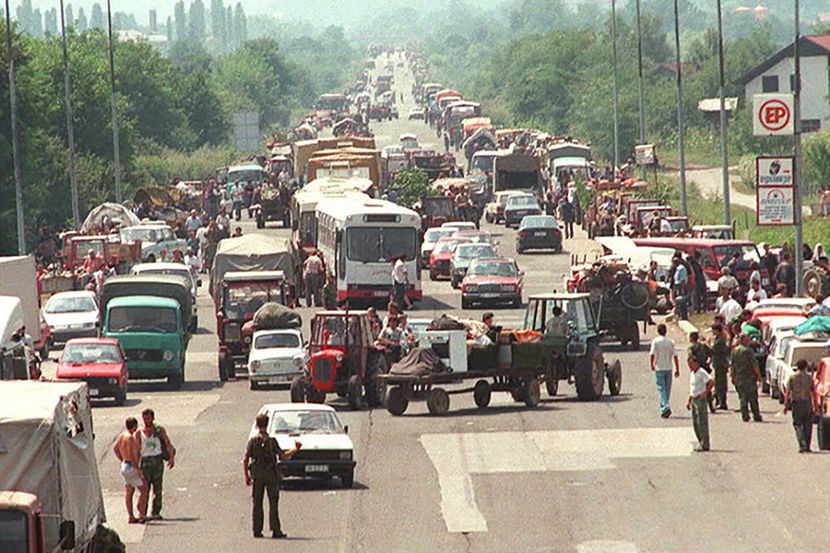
<point x="150" y="317"/>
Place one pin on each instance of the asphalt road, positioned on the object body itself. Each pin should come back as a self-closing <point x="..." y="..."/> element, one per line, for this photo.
<point x="608" y="476"/>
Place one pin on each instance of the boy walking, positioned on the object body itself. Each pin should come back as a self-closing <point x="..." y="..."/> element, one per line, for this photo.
<point x="700" y="386"/>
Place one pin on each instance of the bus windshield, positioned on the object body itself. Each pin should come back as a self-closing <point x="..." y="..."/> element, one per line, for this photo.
<point x="380" y="244"/>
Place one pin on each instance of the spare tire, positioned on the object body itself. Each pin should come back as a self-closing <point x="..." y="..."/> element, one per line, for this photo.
<point x="816" y="282"/>
<point x="634" y="295"/>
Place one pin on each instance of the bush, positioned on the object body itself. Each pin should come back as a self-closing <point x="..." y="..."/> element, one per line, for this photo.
<point x="816" y="160"/>
<point x="411" y="186"/>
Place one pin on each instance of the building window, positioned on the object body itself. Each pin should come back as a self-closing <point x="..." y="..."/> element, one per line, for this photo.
<point x="769" y="83"/>
<point x="810" y="125"/>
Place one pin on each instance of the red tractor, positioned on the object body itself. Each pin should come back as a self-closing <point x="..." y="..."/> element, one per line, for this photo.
<point x="344" y="360"/>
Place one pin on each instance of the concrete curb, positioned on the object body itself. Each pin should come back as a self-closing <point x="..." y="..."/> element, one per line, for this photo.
<point x="686" y="327"/>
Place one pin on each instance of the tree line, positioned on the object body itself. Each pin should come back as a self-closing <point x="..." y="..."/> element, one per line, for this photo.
<point x="174" y="112"/>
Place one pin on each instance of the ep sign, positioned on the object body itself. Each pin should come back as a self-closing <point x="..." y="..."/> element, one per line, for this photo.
<point x="773" y="115"/>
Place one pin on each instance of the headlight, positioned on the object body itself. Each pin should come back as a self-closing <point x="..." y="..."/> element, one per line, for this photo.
<point x="471" y="288"/>
<point x="247" y="339"/>
<point x="298" y="361"/>
<point x="508" y="287"/>
<point x="168" y="355"/>
<point x="88" y="325"/>
<point x="112" y="380"/>
<point x="338" y="357"/>
<point x="254" y="365"/>
<point x="346" y="455"/>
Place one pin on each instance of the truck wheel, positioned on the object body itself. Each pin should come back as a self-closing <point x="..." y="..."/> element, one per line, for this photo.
<point x="482" y="393"/>
<point x="396" y="401"/>
<point x="615" y="378"/>
<point x="121" y="397"/>
<point x="816" y="282"/>
<point x="194" y="324"/>
<point x="773" y="390"/>
<point x="551" y="381"/>
<point x="532" y="393"/>
<point x="465" y="304"/>
<point x="823" y="433"/>
<point x="297" y="390"/>
<point x="590" y="375"/>
<point x="488" y="218"/>
<point x="765" y="386"/>
<point x="225" y="367"/>
<point x="260" y="222"/>
<point x="175" y="381"/>
<point x="252" y="384"/>
<point x="348" y="479"/>
<point x="355" y="392"/>
<point x="376" y="387"/>
<point x="438" y="401"/>
<point x="432" y="275"/>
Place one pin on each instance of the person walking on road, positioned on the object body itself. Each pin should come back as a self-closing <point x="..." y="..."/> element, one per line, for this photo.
<point x="127" y="450"/>
<point x="702" y="354"/>
<point x="262" y="473"/>
<point x="566" y="212"/>
<point x="237" y="195"/>
<point x="745" y="376"/>
<point x="662" y="356"/>
<point x="400" y="278"/>
<point x="720" y="363"/>
<point x="312" y="271"/>
<point x="700" y="388"/>
<point x="156" y="448"/>
<point x="799" y="397"/>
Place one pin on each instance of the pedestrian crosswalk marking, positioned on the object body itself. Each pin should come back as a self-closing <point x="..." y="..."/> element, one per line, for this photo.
<point x="456" y="457"/>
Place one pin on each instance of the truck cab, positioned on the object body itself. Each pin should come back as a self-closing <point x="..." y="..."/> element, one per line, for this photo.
<point x="21" y="521"/>
<point x="15" y="358"/>
<point x="241" y="294"/>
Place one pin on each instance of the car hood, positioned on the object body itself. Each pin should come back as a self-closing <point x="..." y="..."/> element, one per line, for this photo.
<point x="442" y="256"/>
<point x="316" y="441"/>
<point x="59" y="320"/>
<point x="275" y="353"/>
<point x="88" y="370"/>
<point x="481" y="279"/>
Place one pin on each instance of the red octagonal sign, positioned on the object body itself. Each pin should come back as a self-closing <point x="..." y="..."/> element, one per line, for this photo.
<point x="774" y="115"/>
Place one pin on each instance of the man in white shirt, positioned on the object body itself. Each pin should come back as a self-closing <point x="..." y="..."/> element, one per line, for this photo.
<point x="755" y="294"/>
<point x="193" y="223"/>
<point x="727" y="281"/>
<point x="237" y="195"/>
<point x="731" y="308"/>
<point x="665" y="227"/>
<point x="312" y="271"/>
<point x="700" y="386"/>
<point x="662" y="356"/>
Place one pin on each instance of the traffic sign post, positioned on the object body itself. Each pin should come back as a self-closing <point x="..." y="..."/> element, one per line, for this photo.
<point x="773" y="115"/>
<point x="775" y="190"/>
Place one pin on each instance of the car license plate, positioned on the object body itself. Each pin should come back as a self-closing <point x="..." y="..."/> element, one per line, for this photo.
<point x="539" y="233"/>
<point x="316" y="468"/>
<point x="93" y="392"/>
<point x="380" y="294"/>
<point x="276" y="379"/>
<point x="490" y="295"/>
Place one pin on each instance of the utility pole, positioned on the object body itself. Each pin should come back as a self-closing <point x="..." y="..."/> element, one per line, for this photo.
<point x="724" y="155"/>
<point x="18" y="173"/>
<point x="70" y="129"/>
<point x="681" y="130"/>
<point x="616" y="85"/>
<point x="640" y="86"/>
<point x="113" y="99"/>
<point x="797" y="215"/>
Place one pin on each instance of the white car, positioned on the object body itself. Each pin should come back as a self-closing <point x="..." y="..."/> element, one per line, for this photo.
<point x="277" y="357"/>
<point x="72" y="315"/>
<point x="777" y="333"/>
<point x="154" y="238"/>
<point x="794" y="351"/>
<point x="494" y="211"/>
<point x="802" y="304"/>
<point x="178" y="269"/>
<point x="416" y="113"/>
<point x="431" y="236"/>
<point x="326" y="450"/>
<point x="460" y="225"/>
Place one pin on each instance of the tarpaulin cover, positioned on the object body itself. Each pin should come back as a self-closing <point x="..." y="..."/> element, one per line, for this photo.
<point x="272" y="316"/>
<point x="816" y="324"/>
<point x="119" y="216"/>
<point x="253" y="252"/>
<point x="163" y="286"/>
<point x="418" y="362"/>
<point x="156" y="195"/>
<point x="447" y="323"/>
<point x="47" y="449"/>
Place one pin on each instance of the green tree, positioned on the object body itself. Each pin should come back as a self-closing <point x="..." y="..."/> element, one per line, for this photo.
<point x="82" y="23"/>
<point x="180" y="20"/>
<point x="217" y="20"/>
<point x="240" y="23"/>
<point x="97" y="19"/>
<point x="196" y="21"/>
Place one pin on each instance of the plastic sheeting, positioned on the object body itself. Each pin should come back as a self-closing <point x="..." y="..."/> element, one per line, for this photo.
<point x="118" y="215"/>
<point x="253" y="252"/>
<point x="47" y="448"/>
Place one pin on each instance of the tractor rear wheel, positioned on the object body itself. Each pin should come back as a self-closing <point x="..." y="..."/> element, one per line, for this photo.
<point x="590" y="375"/>
<point x="817" y="282"/>
<point x="298" y="390"/>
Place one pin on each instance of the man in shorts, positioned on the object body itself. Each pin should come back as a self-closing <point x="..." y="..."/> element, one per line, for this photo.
<point x="127" y="451"/>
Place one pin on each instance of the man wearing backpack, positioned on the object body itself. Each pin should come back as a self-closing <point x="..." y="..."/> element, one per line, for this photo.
<point x="156" y="448"/>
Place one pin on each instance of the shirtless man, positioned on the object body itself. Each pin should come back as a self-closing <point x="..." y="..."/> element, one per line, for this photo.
<point x="126" y="449"/>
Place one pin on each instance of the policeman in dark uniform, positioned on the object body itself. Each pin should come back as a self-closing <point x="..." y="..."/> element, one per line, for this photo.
<point x="746" y="376"/>
<point x="720" y="362"/>
<point x="260" y="465"/>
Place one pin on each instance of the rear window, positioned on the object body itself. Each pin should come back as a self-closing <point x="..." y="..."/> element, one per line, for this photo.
<point x="521" y="201"/>
<point x="277" y="341"/>
<point x="538" y="222"/>
<point x="91" y="353"/>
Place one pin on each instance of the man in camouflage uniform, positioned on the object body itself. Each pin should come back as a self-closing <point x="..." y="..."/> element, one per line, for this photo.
<point x="702" y="353"/>
<point x="261" y="471"/>
<point x="799" y="397"/>
<point x="745" y="375"/>
<point x="720" y="362"/>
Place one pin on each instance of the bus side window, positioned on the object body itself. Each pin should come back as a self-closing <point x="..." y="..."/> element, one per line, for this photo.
<point x="341" y="255"/>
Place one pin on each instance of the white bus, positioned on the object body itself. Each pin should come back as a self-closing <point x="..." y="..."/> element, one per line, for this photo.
<point x="304" y="203"/>
<point x="359" y="240"/>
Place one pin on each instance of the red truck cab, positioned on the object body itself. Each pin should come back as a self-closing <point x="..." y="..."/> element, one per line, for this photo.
<point x="21" y="517"/>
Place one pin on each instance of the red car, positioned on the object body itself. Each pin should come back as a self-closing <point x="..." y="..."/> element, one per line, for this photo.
<point x="100" y="363"/>
<point x="439" y="260"/>
<point x="494" y="280"/>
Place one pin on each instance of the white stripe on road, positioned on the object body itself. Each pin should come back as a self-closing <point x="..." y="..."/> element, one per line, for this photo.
<point x="456" y="457"/>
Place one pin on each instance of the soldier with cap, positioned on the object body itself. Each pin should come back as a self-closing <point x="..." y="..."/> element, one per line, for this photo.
<point x="720" y="362"/>
<point x="261" y="471"/>
<point x="745" y="376"/>
<point x="799" y="397"/>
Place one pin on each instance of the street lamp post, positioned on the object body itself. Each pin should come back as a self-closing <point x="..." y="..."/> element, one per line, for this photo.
<point x="681" y="131"/>
<point x="616" y="85"/>
<point x="70" y="129"/>
<point x="640" y="85"/>
<point x="113" y="98"/>
<point x="724" y="155"/>
<point x="18" y="173"/>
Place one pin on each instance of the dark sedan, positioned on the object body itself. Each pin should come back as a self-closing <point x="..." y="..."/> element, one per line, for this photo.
<point x="539" y="232"/>
<point x="519" y="207"/>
